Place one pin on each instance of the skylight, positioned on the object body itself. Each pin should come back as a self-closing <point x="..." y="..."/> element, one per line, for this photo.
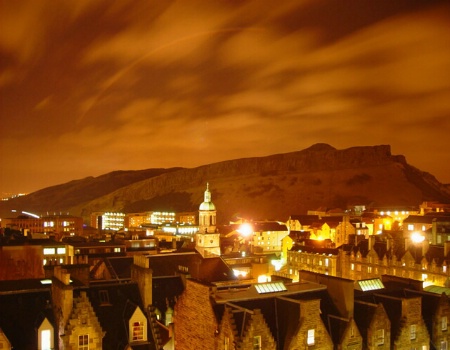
<point x="372" y="284"/>
<point x="270" y="287"/>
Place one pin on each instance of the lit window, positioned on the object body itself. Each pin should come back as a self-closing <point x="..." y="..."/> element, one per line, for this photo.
<point x="380" y="337"/>
<point x="412" y="332"/>
<point x="410" y="227"/>
<point x="310" y="339"/>
<point x="46" y="336"/>
<point x="49" y="251"/>
<point x="257" y="342"/>
<point x="138" y="331"/>
<point x="444" y="323"/>
<point x="83" y="342"/>
<point x="60" y="250"/>
<point x="226" y="344"/>
<point x="116" y="250"/>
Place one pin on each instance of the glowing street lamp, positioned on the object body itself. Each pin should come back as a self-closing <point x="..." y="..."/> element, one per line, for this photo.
<point x="245" y="229"/>
<point x="416" y="237"/>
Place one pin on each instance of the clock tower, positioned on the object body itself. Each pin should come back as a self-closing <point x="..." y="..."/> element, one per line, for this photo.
<point x="207" y="240"/>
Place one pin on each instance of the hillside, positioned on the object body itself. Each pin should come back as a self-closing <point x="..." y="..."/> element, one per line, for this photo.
<point x="271" y="187"/>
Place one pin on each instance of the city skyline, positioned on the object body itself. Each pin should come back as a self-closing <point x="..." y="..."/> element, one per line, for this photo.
<point x="88" y="88"/>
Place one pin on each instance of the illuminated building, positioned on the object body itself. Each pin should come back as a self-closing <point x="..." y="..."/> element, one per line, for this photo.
<point x="108" y="220"/>
<point x="189" y="218"/>
<point x="135" y="220"/>
<point x="268" y="235"/>
<point x="45" y="226"/>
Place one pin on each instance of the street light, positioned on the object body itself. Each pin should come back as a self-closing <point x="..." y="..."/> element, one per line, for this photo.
<point x="416" y="237"/>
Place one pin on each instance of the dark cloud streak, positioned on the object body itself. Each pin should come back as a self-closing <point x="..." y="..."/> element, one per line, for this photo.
<point x="90" y="87"/>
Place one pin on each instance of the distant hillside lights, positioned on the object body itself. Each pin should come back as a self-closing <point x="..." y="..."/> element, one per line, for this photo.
<point x="8" y="196"/>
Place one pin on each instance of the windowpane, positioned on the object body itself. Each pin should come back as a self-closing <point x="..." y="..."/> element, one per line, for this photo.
<point x="138" y="331"/>
<point x="310" y="340"/>
<point x="413" y="332"/>
<point x="257" y="342"/>
<point x="83" y="342"/>
<point x="380" y="337"/>
<point x="46" y="339"/>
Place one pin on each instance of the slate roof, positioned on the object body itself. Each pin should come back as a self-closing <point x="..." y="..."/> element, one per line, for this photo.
<point x="363" y="315"/>
<point x="305" y="220"/>
<point x="166" y="291"/>
<point x="203" y="269"/>
<point x="336" y="328"/>
<point x="419" y="219"/>
<point x="21" y="314"/>
<point x="167" y="265"/>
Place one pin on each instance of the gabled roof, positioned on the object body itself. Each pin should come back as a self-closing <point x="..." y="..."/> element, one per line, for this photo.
<point x="114" y="304"/>
<point x="363" y="315"/>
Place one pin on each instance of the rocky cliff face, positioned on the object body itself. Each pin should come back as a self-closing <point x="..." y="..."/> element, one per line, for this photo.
<point x="277" y="186"/>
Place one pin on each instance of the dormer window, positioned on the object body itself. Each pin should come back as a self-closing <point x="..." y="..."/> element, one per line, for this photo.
<point x="138" y="326"/>
<point x="45" y="335"/>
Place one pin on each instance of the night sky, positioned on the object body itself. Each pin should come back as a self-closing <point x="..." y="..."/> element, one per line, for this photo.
<point x="88" y="87"/>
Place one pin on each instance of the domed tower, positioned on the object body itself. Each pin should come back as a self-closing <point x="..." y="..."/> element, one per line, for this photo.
<point x="207" y="240"/>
